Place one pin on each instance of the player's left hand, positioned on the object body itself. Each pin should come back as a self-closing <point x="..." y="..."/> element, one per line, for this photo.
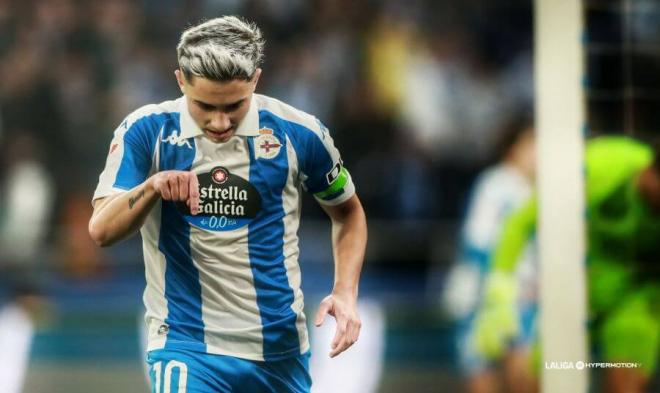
<point x="496" y="322"/>
<point x="344" y="309"/>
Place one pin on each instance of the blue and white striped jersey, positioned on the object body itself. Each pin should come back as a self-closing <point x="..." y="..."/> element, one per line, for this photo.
<point x="227" y="281"/>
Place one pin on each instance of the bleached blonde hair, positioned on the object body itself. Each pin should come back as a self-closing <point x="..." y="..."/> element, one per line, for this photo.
<point x="221" y="49"/>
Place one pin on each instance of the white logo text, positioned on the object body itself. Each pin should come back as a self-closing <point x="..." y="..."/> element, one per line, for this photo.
<point x="176" y="139"/>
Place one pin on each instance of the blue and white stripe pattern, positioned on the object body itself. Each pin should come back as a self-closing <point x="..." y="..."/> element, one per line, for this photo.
<point x="227" y="289"/>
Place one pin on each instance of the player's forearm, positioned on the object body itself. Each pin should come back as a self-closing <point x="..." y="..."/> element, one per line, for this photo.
<point x="117" y="218"/>
<point x="516" y="233"/>
<point x="349" y="238"/>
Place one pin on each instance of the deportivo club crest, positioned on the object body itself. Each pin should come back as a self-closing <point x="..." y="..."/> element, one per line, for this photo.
<point x="266" y="145"/>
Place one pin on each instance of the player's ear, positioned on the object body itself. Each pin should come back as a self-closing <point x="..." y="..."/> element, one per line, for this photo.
<point x="180" y="79"/>
<point x="255" y="77"/>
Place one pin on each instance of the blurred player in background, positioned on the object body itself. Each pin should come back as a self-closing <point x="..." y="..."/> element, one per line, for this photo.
<point x="26" y="202"/>
<point x="498" y="191"/>
<point x="623" y="269"/>
<point x="212" y="180"/>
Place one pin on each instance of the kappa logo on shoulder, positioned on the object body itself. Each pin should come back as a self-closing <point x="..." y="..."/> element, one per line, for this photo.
<point x="175" y="139"/>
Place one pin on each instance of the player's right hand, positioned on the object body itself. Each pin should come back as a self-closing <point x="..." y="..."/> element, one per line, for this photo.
<point x="178" y="186"/>
<point x="496" y="322"/>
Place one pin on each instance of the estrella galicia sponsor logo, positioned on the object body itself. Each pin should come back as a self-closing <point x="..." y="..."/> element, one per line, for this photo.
<point x="226" y="201"/>
<point x="219" y="175"/>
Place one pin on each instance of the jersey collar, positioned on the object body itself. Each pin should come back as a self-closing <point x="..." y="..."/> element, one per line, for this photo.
<point x="248" y="127"/>
<point x="250" y="124"/>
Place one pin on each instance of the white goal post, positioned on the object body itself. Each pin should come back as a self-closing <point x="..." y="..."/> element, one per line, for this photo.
<point x="560" y="121"/>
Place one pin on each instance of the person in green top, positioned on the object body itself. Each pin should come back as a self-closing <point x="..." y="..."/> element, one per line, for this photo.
<point x="623" y="262"/>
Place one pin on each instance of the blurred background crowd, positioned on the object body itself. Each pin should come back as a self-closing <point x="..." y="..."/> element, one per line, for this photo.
<point x="408" y="88"/>
<point x="416" y="93"/>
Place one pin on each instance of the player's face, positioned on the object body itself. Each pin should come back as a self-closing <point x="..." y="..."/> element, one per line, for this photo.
<point x="524" y="153"/>
<point x="217" y="107"/>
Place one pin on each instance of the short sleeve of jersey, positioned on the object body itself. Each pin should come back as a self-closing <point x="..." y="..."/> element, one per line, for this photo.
<point x="498" y="192"/>
<point x="322" y="169"/>
<point x="129" y="158"/>
<point x="484" y="214"/>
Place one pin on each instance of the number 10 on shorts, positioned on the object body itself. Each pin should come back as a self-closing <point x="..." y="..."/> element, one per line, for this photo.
<point x="170" y="367"/>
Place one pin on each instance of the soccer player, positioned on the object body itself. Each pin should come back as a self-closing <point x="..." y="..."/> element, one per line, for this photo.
<point x="213" y="181"/>
<point x="498" y="191"/>
<point x="623" y="228"/>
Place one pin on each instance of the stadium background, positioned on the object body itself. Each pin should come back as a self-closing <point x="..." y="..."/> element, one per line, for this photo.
<point x="413" y="91"/>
